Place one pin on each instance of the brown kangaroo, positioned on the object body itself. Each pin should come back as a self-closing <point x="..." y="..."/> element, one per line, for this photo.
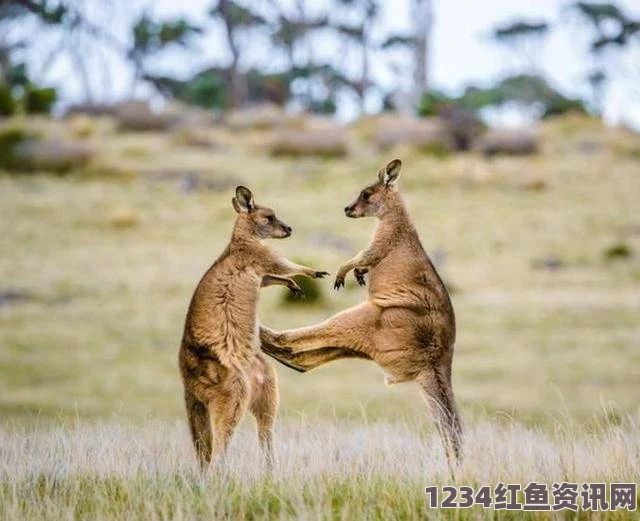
<point x="222" y="368"/>
<point x="406" y="325"/>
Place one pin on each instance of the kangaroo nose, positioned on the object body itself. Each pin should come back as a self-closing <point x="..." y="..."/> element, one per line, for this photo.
<point x="288" y="229"/>
<point x="346" y="209"/>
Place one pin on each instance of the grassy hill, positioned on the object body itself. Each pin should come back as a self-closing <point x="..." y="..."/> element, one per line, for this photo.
<point x="541" y="254"/>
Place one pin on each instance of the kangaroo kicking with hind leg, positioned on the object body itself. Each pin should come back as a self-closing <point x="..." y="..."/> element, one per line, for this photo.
<point x="223" y="371"/>
<point x="407" y="323"/>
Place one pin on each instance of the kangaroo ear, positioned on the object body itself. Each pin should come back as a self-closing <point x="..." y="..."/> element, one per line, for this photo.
<point x="243" y="201"/>
<point x="389" y="174"/>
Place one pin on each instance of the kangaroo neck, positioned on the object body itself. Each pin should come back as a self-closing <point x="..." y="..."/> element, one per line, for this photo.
<point x="395" y="220"/>
<point x="242" y="236"/>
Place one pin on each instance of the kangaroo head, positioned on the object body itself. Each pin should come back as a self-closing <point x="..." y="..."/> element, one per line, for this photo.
<point x="258" y="221"/>
<point x="375" y="199"/>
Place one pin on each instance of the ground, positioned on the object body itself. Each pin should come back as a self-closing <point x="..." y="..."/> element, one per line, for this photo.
<point x="541" y="255"/>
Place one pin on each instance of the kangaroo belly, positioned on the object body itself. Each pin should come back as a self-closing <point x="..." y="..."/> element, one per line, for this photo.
<point x="400" y="297"/>
<point x="408" y="339"/>
<point x="223" y="316"/>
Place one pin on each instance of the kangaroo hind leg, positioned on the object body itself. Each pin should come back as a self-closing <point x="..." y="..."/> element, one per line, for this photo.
<point x="307" y="360"/>
<point x="200" y="428"/>
<point x="264" y="404"/>
<point x="435" y="386"/>
<point x="226" y="408"/>
<point x="350" y="329"/>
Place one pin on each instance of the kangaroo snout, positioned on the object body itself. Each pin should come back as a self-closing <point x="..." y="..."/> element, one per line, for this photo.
<point x="288" y="230"/>
<point x="349" y="211"/>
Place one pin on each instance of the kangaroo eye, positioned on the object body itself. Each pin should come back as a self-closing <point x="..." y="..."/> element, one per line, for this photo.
<point x="271" y="218"/>
<point x="366" y="196"/>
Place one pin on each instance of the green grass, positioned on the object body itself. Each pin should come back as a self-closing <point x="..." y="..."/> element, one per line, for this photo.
<point x="97" y="339"/>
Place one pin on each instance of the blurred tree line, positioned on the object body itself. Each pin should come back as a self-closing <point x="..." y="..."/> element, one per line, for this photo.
<point x="298" y="75"/>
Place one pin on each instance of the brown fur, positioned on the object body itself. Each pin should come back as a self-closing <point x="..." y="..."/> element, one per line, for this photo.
<point x="222" y="368"/>
<point x="406" y="325"/>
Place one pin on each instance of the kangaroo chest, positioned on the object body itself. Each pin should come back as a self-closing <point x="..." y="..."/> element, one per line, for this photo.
<point x="224" y="314"/>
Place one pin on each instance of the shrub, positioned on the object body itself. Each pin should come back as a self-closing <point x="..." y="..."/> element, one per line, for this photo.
<point x="206" y="90"/>
<point x="325" y="106"/>
<point x="21" y="152"/>
<point x="90" y="109"/>
<point x="633" y="152"/>
<point x="39" y="100"/>
<point x="312" y="292"/>
<point x="7" y="103"/>
<point x="432" y="135"/>
<point x="509" y="142"/>
<point x="260" y="117"/>
<point x="430" y="103"/>
<point x="437" y="149"/>
<point x="137" y="116"/>
<point x="10" y="138"/>
<point x="620" y="250"/>
<point x="326" y="143"/>
<point x="559" y="105"/>
<point x="524" y="90"/>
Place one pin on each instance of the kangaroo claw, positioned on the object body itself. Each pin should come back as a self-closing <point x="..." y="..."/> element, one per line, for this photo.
<point x="339" y="283"/>
<point x="359" y="275"/>
<point x="320" y="274"/>
<point x="297" y="292"/>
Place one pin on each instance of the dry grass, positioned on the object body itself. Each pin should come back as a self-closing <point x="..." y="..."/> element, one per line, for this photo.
<point x="324" y="470"/>
<point x="97" y="335"/>
<point x="102" y="331"/>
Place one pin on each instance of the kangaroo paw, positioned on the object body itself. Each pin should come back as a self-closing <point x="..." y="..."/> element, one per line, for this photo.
<point x="359" y="275"/>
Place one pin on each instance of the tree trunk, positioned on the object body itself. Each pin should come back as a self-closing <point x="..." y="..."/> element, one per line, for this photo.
<point x="364" y="77"/>
<point x="423" y="17"/>
<point x="236" y="83"/>
<point x="81" y="66"/>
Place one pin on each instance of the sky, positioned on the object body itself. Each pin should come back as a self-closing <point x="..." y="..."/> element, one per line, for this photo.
<point x="461" y="50"/>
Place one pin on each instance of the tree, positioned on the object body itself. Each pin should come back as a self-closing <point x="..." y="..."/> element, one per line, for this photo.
<point x="12" y="74"/>
<point x="293" y="31"/>
<point x="423" y="18"/>
<point x="612" y="26"/>
<point x="17" y="87"/>
<point x="359" y="32"/>
<point x="68" y="31"/>
<point x="597" y="79"/>
<point x="612" y="32"/>
<point x="206" y="89"/>
<point x="151" y="37"/>
<point x="524" y="38"/>
<point x="418" y="42"/>
<point x="315" y="87"/>
<point x="236" y="20"/>
<point x="10" y="9"/>
<point x="528" y="92"/>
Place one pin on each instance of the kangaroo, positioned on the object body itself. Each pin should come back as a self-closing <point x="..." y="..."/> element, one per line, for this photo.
<point x="407" y="324"/>
<point x="222" y="368"/>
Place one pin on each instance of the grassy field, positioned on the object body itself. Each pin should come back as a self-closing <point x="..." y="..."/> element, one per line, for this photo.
<point x="325" y="470"/>
<point x="97" y="268"/>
